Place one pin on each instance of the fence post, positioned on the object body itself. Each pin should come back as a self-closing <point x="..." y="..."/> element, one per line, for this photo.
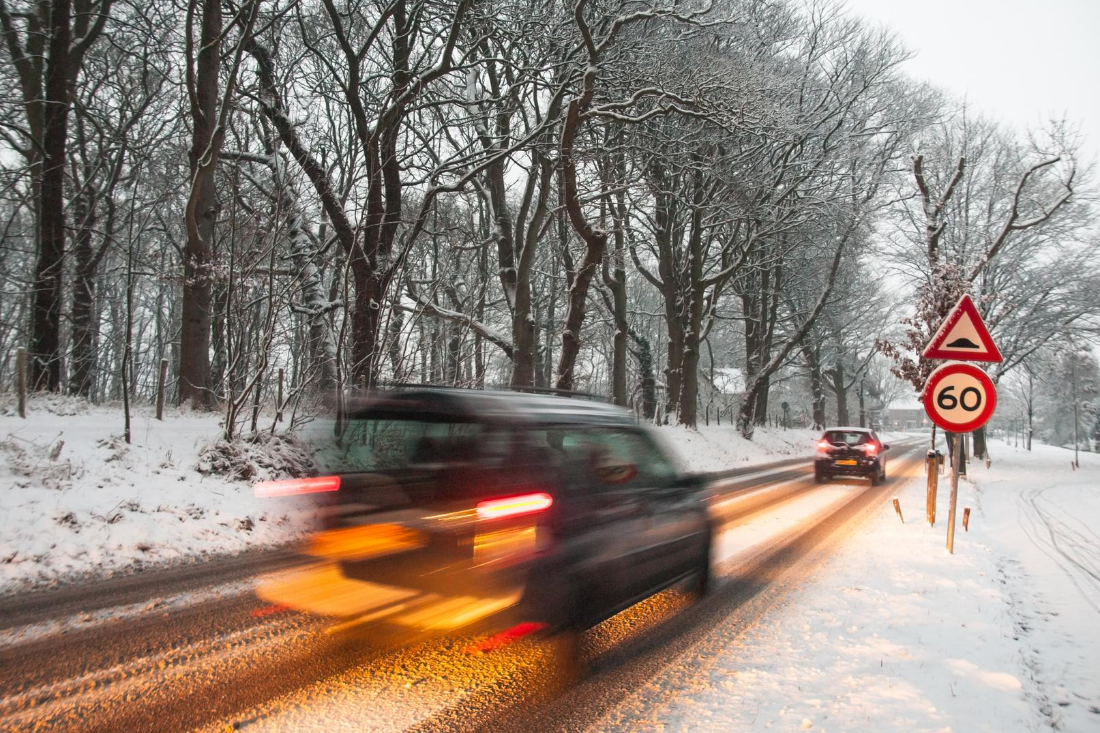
<point x="279" y="399"/>
<point x="21" y="379"/>
<point x="708" y="414"/>
<point x="161" y="379"/>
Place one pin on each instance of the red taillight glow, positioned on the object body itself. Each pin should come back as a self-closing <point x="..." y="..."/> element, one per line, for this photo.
<point x="824" y="446"/>
<point x="294" y="487"/>
<point x="514" y="506"/>
<point x="870" y="449"/>
<point x="506" y="637"/>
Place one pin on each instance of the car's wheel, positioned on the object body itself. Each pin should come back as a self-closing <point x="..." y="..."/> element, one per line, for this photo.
<point x="701" y="581"/>
<point x="820" y="477"/>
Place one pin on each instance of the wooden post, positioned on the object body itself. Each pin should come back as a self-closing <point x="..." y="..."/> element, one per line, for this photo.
<point x="931" y="464"/>
<point x="21" y="379"/>
<point x="897" y="508"/>
<point x="966" y="518"/>
<point x="956" y="456"/>
<point x="279" y="398"/>
<point x="162" y="378"/>
<point x="708" y="414"/>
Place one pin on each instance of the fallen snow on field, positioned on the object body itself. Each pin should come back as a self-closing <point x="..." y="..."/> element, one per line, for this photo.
<point x="895" y="634"/>
<point x="75" y="499"/>
<point x="1044" y="521"/>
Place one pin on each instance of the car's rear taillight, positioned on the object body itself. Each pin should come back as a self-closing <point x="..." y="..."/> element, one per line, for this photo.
<point x="823" y="446"/>
<point x="870" y="449"/>
<point x="294" y="487"/>
<point x="514" y="506"/>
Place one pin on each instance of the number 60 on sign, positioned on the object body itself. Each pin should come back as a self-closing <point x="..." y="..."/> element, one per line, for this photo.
<point x="959" y="397"/>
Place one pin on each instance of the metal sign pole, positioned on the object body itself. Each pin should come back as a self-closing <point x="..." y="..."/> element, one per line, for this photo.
<point x="954" y="493"/>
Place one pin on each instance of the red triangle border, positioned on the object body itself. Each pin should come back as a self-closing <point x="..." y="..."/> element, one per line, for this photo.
<point x="934" y="350"/>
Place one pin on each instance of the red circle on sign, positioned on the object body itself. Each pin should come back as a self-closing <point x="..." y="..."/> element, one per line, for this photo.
<point x="967" y="372"/>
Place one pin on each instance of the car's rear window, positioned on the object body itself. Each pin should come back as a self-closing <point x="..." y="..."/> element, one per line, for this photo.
<point x="848" y="437"/>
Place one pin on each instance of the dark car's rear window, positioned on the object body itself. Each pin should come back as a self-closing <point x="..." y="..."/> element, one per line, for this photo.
<point x="848" y="437"/>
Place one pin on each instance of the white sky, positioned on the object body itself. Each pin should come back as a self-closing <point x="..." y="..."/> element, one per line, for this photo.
<point x="1019" y="61"/>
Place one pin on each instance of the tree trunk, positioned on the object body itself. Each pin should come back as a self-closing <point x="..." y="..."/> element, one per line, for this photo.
<point x="523" y="336"/>
<point x="366" y="320"/>
<point x="841" y="392"/>
<point x="646" y="377"/>
<point x="201" y="216"/>
<point x="595" y="242"/>
<point x="84" y="326"/>
<point x="615" y="280"/>
<point x="45" y="332"/>
<point x="979" y="443"/>
<point x="687" y="410"/>
<point x="817" y="386"/>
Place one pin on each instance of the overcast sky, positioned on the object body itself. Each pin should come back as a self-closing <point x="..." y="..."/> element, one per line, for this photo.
<point x="1020" y="61"/>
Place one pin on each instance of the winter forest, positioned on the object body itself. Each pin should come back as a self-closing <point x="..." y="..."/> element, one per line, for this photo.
<point x="736" y="210"/>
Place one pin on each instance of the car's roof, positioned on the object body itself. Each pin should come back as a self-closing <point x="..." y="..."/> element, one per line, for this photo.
<point x="844" y="429"/>
<point x="475" y="405"/>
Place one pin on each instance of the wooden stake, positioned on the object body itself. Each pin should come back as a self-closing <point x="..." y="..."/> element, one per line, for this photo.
<point x="955" y="457"/>
<point x="897" y="508"/>
<point x="161" y="379"/>
<point x="932" y="466"/>
<point x="966" y="518"/>
<point x="21" y="379"/>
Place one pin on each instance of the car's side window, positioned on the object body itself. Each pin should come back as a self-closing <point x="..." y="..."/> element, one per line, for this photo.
<point x="653" y="468"/>
<point x="610" y="459"/>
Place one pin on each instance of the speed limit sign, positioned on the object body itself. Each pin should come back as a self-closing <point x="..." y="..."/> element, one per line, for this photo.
<point x="959" y="397"/>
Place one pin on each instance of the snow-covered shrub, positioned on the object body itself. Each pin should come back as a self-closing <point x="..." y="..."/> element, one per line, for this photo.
<point x="38" y="463"/>
<point x="257" y="458"/>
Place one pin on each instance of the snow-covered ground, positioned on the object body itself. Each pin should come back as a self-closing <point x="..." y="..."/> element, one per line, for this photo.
<point x="896" y="634"/>
<point x="717" y="448"/>
<point x="76" y="500"/>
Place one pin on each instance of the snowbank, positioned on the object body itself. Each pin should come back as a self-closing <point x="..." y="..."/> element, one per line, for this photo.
<point x="721" y="448"/>
<point x="75" y="499"/>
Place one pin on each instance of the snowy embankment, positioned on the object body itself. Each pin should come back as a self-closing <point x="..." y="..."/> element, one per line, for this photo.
<point x="77" y="501"/>
<point x="722" y="448"/>
<point x="894" y="634"/>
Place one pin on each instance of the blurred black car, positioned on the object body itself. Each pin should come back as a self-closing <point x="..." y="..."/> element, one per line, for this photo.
<point x="448" y="509"/>
<point x="850" y="452"/>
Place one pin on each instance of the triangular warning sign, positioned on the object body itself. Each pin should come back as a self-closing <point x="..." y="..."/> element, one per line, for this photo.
<point x="963" y="336"/>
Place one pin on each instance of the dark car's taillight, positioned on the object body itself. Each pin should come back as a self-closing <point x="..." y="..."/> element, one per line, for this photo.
<point x="294" y="487"/>
<point x="514" y="506"/>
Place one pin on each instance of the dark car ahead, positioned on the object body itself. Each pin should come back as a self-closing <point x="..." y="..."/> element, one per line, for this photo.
<point x="850" y="452"/>
<point x="446" y="510"/>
